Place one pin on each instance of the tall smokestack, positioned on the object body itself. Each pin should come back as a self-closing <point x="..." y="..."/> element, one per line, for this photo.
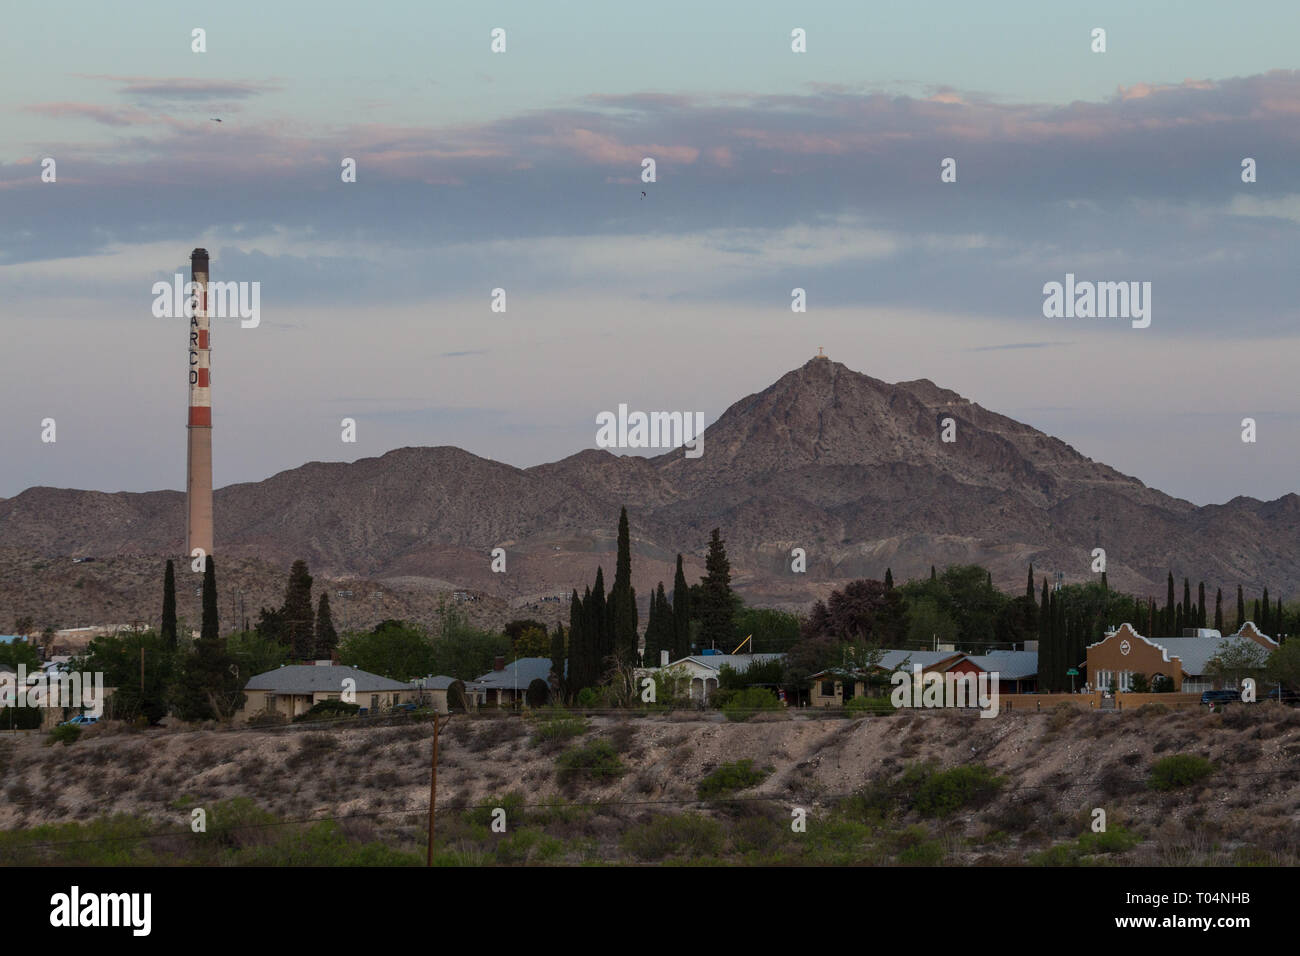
<point x="198" y="475"/>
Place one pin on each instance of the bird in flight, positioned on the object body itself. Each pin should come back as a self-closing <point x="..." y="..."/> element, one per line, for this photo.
<point x="643" y="194"/>
<point x="215" y="120"/>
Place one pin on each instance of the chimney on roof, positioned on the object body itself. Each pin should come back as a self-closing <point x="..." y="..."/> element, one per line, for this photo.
<point x="499" y="664"/>
<point x="663" y="658"/>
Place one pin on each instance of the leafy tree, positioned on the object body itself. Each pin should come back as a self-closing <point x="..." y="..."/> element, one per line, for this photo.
<point x="327" y="639"/>
<point x="169" y="605"/>
<point x="1284" y="665"/>
<point x="396" y="650"/>
<point x="1237" y="659"/>
<point x="299" y="625"/>
<point x="863" y="610"/>
<point x="270" y="625"/>
<point x="718" y="604"/>
<point x="928" y="624"/>
<point x="774" y="631"/>
<point x="207" y="687"/>
<point x="254" y="654"/>
<point x="531" y="643"/>
<point x="119" y="657"/>
<point x="20" y="652"/>
<point x="517" y="627"/>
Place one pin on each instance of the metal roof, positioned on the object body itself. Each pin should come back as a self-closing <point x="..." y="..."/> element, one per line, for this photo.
<point x="739" y="662"/>
<point x="316" y="678"/>
<point x="1195" y="652"/>
<point x="1009" y="665"/>
<point x="518" y="673"/>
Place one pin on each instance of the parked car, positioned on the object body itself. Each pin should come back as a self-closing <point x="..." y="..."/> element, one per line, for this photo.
<point x="81" y="719"/>
<point x="1283" y="695"/>
<point x="1221" y="697"/>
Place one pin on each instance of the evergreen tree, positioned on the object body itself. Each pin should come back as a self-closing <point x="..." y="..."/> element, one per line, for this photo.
<point x="889" y="579"/>
<point x="1151" y="616"/>
<point x="1200" y="605"/>
<point x="1105" y="585"/>
<point x="327" y="639"/>
<point x="598" y="619"/>
<point x="299" y="626"/>
<point x="168" y="630"/>
<point x="1218" y="610"/>
<point x="1179" y="621"/>
<point x="1266" y="608"/>
<point x="622" y="599"/>
<point x="1189" y="613"/>
<point x="207" y="687"/>
<point x="933" y="576"/>
<point x="210" y="628"/>
<point x="1255" y="617"/>
<point x="717" y="607"/>
<point x="1044" y="618"/>
<point x="1170" y="620"/>
<point x="1241" y="608"/>
<point x="557" y="655"/>
<point x="577" y="645"/>
<point x="681" y="614"/>
<point x="1029" y="587"/>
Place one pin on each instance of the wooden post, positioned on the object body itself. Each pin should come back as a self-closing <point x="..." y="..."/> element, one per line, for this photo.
<point x="433" y="782"/>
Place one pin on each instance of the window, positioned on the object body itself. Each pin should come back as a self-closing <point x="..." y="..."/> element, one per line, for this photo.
<point x="828" y="688"/>
<point x="374" y="701"/>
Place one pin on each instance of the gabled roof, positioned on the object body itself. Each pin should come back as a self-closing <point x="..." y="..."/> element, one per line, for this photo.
<point x="441" y="682"/>
<point x="1195" y="653"/>
<point x="1009" y="665"/>
<point x="892" y="660"/>
<point x="315" y="678"/>
<point x="518" y="673"/>
<point x="739" y="662"/>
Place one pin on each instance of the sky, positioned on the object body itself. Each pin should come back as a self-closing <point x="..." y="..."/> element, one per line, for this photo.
<point x="521" y="170"/>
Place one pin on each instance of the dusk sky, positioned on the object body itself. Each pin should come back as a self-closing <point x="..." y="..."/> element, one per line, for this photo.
<point x="521" y="170"/>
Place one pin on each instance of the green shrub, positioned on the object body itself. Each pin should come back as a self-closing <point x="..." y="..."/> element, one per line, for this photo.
<point x="943" y="793"/>
<point x="1179" y="770"/>
<point x="730" y="777"/>
<point x="594" y="762"/>
<point x="745" y="703"/>
<point x="327" y="710"/>
<point x="1115" y="839"/>
<point x="512" y="803"/>
<point x="588" y="698"/>
<point x="688" y="835"/>
<point x="558" y="728"/>
<point x="64" y="734"/>
<point x="870" y="705"/>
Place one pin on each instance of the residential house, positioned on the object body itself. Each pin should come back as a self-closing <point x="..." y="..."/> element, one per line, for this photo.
<point x="1124" y="652"/>
<point x="295" y="688"/>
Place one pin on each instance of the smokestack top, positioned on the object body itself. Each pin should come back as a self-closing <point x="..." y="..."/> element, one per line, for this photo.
<point x="199" y="260"/>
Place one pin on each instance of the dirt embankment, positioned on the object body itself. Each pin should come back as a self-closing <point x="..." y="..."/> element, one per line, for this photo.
<point x="1057" y="769"/>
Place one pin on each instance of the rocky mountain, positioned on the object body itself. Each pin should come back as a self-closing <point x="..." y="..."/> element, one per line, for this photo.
<point x="851" y="469"/>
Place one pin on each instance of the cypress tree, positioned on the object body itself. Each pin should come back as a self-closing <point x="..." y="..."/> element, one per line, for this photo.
<point x="210" y="629"/>
<point x="1218" y="610"/>
<point x="602" y="643"/>
<point x="1044" y="618"/>
<point x="1265" y="624"/>
<point x="622" y="599"/>
<point x="577" y="645"/>
<point x="718" y="608"/>
<point x="1255" y="617"/>
<point x="1151" y="616"/>
<point x="327" y="639"/>
<point x="1200" y="605"/>
<point x="1189" y="614"/>
<point x="1169" y="619"/>
<point x="1105" y="586"/>
<point x="557" y="655"/>
<point x="1241" y="608"/>
<point x="1179" y="621"/>
<point x="1277" y="617"/>
<point x="168" y="631"/>
<point x="681" y="614"/>
<point x="889" y="579"/>
<point x="933" y="576"/>
<point x="1029" y="586"/>
<point x="299" y="623"/>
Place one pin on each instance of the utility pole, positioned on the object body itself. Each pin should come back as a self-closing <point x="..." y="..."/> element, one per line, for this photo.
<point x="438" y="725"/>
